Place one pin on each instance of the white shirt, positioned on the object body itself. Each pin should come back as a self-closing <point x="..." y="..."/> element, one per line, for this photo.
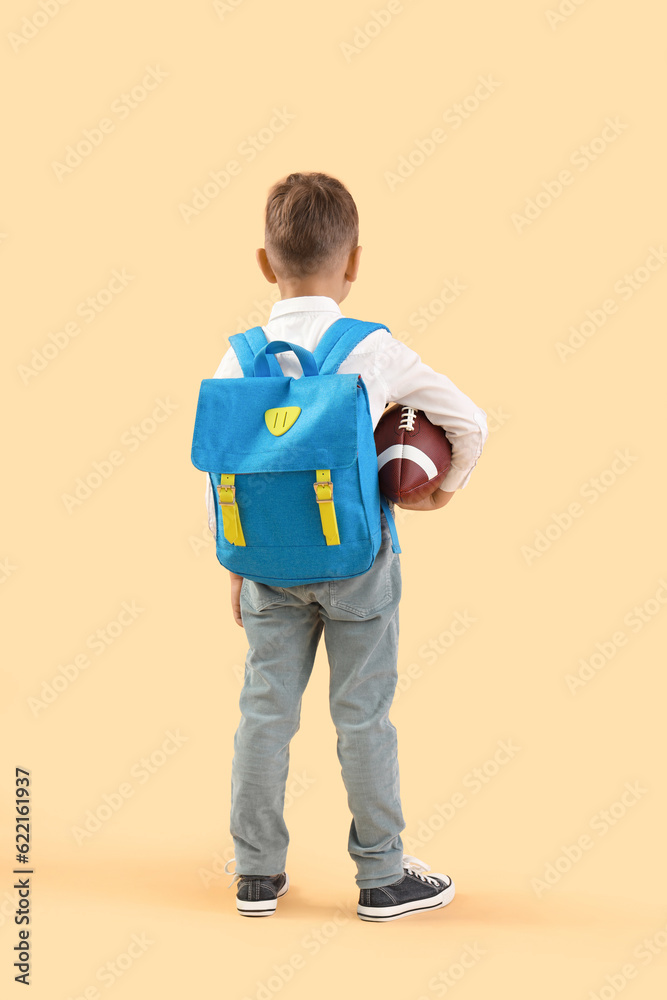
<point x="392" y="372"/>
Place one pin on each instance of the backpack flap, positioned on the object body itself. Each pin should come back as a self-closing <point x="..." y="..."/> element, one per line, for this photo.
<point x="232" y="424"/>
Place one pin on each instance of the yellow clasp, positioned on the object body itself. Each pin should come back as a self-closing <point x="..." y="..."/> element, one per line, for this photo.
<point x="231" y="519"/>
<point x="324" y="496"/>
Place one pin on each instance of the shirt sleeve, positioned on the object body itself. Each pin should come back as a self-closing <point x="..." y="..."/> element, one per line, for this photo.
<point x="210" y="506"/>
<point x="412" y="382"/>
<point x="229" y="367"/>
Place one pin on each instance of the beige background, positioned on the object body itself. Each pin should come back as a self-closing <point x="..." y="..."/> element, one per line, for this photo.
<point x="140" y="536"/>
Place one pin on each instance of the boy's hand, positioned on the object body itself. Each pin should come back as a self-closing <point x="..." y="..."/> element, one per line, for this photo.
<point x="434" y="501"/>
<point x="236" y="581"/>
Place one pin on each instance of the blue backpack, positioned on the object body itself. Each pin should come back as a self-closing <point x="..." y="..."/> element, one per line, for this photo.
<point x="292" y="462"/>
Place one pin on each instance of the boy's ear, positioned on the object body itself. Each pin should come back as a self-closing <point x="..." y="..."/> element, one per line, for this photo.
<point x="264" y="266"/>
<point x="353" y="264"/>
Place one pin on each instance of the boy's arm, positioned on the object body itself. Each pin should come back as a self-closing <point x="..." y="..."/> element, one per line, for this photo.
<point x="411" y="382"/>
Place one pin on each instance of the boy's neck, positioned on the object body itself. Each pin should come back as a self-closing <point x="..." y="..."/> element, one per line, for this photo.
<point x="293" y="290"/>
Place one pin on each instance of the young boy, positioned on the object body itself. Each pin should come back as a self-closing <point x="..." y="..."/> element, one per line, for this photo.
<point x="312" y="253"/>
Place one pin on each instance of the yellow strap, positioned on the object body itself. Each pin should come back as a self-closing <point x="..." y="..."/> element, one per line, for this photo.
<point x="231" y="520"/>
<point x="324" y="494"/>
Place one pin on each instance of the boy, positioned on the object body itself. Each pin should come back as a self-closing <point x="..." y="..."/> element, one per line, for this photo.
<point x="312" y="253"/>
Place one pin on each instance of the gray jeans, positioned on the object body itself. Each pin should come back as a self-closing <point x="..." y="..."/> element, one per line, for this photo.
<point x="283" y="626"/>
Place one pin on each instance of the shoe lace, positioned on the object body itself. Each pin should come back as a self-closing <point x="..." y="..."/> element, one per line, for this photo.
<point x="415" y="867"/>
<point x="237" y="876"/>
<point x="229" y="873"/>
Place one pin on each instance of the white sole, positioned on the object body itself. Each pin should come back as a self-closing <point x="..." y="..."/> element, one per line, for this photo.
<point x="383" y="913"/>
<point x="261" y="907"/>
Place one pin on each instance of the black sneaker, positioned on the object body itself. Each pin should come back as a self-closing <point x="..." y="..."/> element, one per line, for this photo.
<point x="257" y="895"/>
<point x="412" y="893"/>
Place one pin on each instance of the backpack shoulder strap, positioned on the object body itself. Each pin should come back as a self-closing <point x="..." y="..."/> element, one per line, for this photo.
<point x="246" y="345"/>
<point x="342" y="337"/>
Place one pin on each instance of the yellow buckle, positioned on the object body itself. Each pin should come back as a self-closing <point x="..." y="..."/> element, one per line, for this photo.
<point x="233" y="492"/>
<point x="231" y="520"/>
<point x="328" y="510"/>
<point x="325" y="483"/>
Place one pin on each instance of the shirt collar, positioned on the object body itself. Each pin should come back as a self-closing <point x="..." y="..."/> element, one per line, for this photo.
<point x="304" y="303"/>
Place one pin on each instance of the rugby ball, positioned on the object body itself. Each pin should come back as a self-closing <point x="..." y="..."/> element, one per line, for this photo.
<point x="414" y="455"/>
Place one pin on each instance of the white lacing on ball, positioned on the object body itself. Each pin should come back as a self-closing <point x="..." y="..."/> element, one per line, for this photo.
<point x="407" y="419"/>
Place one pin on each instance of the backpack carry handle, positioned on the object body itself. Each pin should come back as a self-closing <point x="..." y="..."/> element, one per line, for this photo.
<point x="306" y="359"/>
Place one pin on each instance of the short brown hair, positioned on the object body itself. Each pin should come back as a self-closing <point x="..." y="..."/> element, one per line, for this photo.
<point x="311" y="221"/>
